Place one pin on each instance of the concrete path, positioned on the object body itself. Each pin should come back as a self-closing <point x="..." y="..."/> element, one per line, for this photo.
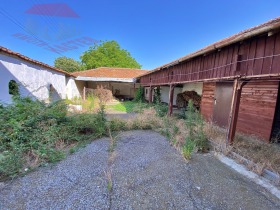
<point x="146" y="173"/>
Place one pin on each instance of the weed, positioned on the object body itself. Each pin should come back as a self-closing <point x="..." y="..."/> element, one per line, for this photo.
<point x="117" y="124"/>
<point x="161" y="109"/>
<point x="33" y="133"/>
<point x="195" y="125"/>
<point x="139" y="95"/>
<point x="108" y="175"/>
<point x="112" y="142"/>
<point x="10" y="163"/>
<point x="175" y="129"/>
<point x="140" y="107"/>
<point x="157" y="96"/>
<point x="188" y="148"/>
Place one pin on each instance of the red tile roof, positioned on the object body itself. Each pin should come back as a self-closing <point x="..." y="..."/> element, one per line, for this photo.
<point x="111" y="72"/>
<point x="260" y="29"/>
<point x="18" y="55"/>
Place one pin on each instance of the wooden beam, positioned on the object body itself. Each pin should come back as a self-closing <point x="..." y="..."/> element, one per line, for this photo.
<point x="234" y="110"/>
<point x="170" y="103"/>
<point x="84" y="93"/>
<point x="151" y="94"/>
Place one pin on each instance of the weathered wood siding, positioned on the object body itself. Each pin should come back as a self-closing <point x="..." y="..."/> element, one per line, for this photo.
<point x="257" y="108"/>
<point x="255" y="56"/>
<point x="207" y="100"/>
<point x="276" y="122"/>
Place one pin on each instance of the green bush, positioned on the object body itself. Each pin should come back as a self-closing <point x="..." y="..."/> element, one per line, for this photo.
<point x="157" y="96"/>
<point x="117" y="124"/>
<point x="139" y="95"/>
<point x="195" y="125"/>
<point x="161" y="109"/>
<point x="10" y="163"/>
<point x="139" y="107"/>
<point x="33" y="128"/>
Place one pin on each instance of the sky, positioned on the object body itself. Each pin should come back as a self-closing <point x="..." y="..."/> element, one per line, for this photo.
<point x="155" y="32"/>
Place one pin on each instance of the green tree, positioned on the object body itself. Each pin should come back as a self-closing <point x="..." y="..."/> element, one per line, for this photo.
<point x="67" y="64"/>
<point x="108" y="54"/>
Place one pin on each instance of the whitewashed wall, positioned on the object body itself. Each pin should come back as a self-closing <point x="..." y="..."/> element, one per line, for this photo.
<point x="125" y="88"/>
<point x="147" y="93"/>
<point x="165" y="94"/>
<point x="197" y="87"/>
<point x="33" y="80"/>
<point x="74" y="88"/>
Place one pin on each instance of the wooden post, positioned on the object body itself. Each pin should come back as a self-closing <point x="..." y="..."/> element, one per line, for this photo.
<point x="170" y="103"/>
<point x="84" y="93"/>
<point x="151" y="94"/>
<point x="234" y="111"/>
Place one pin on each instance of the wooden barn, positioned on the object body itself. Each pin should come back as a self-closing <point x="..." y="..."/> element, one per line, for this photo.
<point x="239" y="79"/>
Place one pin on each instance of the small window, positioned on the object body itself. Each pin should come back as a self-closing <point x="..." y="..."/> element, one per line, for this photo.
<point x="146" y="91"/>
<point x="13" y="88"/>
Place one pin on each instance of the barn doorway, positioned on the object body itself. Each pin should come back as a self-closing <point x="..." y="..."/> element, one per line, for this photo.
<point x="275" y="134"/>
<point x="222" y="103"/>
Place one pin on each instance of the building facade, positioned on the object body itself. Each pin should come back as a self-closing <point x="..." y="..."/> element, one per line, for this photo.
<point x="239" y="78"/>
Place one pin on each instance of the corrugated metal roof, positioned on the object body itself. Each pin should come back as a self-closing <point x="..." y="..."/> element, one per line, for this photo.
<point x="23" y="57"/>
<point x="257" y="30"/>
<point x="110" y="72"/>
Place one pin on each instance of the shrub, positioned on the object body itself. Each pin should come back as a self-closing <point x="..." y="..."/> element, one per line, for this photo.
<point x="161" y="109"/>
<point x="139" y="95"/>
<point x="188" y="148"/>
<point x="139" y="107"/>
<point x="157" y="96"/>
<point x="117" y="124"/>
<point x="34" y="130"/>
<point x="10" y="163"/>
<point x="195" y="125"/>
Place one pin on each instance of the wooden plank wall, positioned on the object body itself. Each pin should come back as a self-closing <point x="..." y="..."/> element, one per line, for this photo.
<point x="255" y="54"/>
<point x="257" y="107"/>
<point x="207" y="100"/>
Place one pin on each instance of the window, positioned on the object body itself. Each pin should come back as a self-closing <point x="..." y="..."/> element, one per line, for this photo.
<point x="13" y="88"/>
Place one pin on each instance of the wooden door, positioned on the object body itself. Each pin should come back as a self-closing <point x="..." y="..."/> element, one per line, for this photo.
<point x="222" y="103"/>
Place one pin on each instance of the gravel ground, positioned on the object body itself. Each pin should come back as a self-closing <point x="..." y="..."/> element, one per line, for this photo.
<point x="147" y="173"/>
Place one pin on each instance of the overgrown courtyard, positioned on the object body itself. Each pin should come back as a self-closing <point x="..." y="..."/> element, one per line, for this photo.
<point x="35" y="134"/>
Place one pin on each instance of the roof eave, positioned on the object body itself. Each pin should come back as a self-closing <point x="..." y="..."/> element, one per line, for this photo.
<point x="105" y="79"/>
<point x="243" y="36"/>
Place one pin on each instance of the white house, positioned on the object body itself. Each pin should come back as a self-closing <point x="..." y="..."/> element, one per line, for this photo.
<point x="32" y="78"/>
<point x="38" y="80"/>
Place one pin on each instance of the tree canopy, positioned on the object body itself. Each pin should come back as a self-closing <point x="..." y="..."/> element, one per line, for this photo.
<point x="67" y="64"/>
<point x="108" y="54"/>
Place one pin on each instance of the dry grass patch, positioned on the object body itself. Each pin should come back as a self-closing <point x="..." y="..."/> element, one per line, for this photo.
<point x="145" y="120"/>
<point x="260" y="154"/>
<point x="265" y="155"/>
